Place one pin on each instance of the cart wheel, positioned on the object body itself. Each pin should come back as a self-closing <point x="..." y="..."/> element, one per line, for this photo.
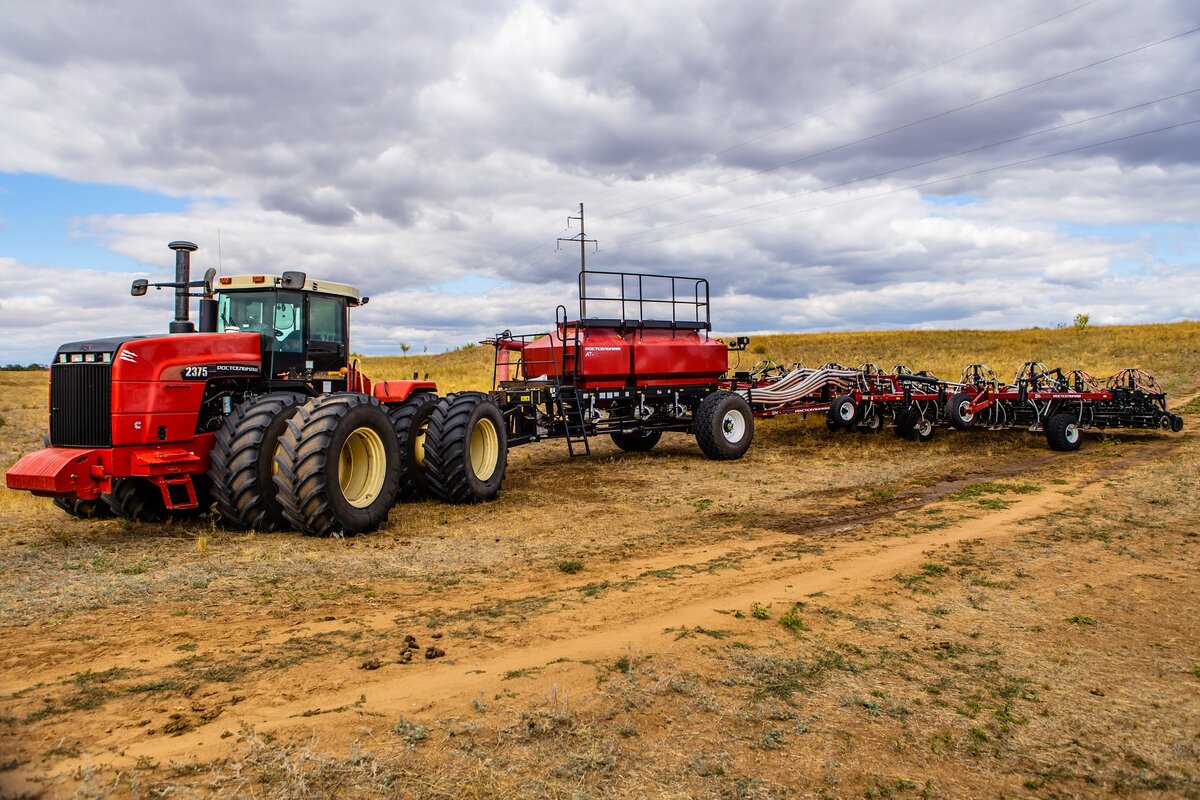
<point x="1063" y="433"/>
<point x="636" y="441"/>
<point x="724" y="426"/>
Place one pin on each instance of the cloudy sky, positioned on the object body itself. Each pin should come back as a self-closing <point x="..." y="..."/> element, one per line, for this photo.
<point x="831" y="164"/>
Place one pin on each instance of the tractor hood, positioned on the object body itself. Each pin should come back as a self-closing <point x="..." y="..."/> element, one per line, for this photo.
<point x="187" y="356"/>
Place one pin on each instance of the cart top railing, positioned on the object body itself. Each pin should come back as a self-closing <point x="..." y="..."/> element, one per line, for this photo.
<point x="635" y="300"/>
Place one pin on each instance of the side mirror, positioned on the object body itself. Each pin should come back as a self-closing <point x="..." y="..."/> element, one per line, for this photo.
<point x="293" y="280"/>
<point x="139" y="287"/>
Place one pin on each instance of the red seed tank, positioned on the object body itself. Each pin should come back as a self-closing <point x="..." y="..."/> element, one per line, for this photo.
<point x="603" y="357"/>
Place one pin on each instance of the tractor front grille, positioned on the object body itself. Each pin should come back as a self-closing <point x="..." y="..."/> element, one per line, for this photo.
<point x="81" y="405"/>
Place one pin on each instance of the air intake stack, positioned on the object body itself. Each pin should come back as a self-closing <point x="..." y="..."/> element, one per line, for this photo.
<point x="183" y="279"/>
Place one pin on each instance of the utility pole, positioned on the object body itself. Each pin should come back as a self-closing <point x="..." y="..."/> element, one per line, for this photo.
<point x="583" y="242"/>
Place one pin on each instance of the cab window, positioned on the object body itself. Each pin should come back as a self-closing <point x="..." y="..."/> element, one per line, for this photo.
<point x="277" y="316"/>
<point x="326" y="319"/>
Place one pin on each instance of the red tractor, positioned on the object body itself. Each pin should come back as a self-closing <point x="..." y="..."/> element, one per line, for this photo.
<point x="260" y="413"/>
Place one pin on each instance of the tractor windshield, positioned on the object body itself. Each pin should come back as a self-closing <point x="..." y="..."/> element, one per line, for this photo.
<point x="277" y="315"/>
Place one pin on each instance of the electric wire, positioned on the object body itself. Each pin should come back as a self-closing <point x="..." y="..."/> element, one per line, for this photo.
<point x="907" y="125"/>
<point x="913" y="186"/>
<point x="904" y="168"/>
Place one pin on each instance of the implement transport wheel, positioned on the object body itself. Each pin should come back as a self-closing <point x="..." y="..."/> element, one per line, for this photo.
<point x="1176" y="423"/>
<point x="636" y="441"/>
<point x="84" y="509"/>
<point x="136" y="499"/>
<point x="466" y="448"/>
<point x="724" y="426"/>
<point x="844" y="411"/>
<point x="957" y="411"/>
<point x="338" y="465"/>
<point x="411" y="421"/>
<point x="243" y="462"/>
<point x="1063" y="432"/>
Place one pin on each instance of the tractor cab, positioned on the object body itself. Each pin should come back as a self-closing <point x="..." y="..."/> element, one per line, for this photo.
<point x="303" y="323"/>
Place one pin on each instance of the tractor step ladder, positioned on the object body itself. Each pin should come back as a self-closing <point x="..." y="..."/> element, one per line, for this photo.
<point x="574" y="425"/>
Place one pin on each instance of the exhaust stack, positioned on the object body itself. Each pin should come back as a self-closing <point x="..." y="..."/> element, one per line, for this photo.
<point x="183" y="279"/>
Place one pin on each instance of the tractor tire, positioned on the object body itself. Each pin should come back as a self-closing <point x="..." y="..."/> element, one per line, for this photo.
<point x="957" y="413"/>
<point x="844" y="411"/>
<point x="243" y="462"/>
<point x="338" y="465"/>
<point x="466" y="449"/>
<point x="137" y="500"/>
<point x="1063" y="433"/>
<point x="410" y="420"/>
<point x="724" y="426"/>
<point x="84" y="509"/>
<point x="871" y="424"/>
<point x="636" y="441"/>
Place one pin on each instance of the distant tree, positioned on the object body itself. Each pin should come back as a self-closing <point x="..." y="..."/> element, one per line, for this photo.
<point x="1081" y="321"/>
<point x="404" y="348"/>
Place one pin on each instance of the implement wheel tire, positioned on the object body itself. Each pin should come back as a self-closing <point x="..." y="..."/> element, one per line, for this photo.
<point x="243" y="462"/>
<point x="137" y="500"/>
<point x="1176" y="423"/>
<point x="338" y="465"/>
<point x="724" y="426"/>
<point x="844" y="411"/>
<point x="84" y="509"/>
<point x="637" y="441"/>
<point x="1063" y="433"/>
<point x="831" y="422"/>
<point x="466" y="448"/>
<point x="904" y="426"/>
<point x="957" y="413"/>
<point x="410" y="420"/>
<point x="871" y="424"/>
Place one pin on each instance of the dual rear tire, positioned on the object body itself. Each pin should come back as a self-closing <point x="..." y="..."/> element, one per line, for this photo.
<point x="466" y="448"/>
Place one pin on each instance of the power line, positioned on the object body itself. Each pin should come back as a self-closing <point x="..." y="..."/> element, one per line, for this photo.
<point x="906" y="167"/>
<point x="861" y="95"/>
<point x="911" y="124"/>
<point x="921" y="185"/>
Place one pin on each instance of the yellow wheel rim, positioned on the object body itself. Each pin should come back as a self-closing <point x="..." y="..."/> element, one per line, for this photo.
<point x="419" y="447"/>
<point x="362" y="467"/>
<point x="485" y="449"/>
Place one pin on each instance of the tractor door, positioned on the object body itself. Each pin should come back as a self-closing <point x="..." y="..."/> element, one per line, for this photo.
<point x="328" y="344"/>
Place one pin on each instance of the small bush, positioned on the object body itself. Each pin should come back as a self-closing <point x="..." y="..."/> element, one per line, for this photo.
<point x="570" y="565"/>
<point x="411" y="732"/>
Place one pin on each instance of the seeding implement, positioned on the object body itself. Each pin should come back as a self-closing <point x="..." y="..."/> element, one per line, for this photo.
<point x="1060" y="404"/>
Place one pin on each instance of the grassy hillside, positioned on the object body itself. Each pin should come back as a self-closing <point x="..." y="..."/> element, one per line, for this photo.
<point x="1170" y="352"/>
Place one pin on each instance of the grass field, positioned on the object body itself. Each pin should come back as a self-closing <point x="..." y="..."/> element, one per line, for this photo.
<point x="835" y="615"/>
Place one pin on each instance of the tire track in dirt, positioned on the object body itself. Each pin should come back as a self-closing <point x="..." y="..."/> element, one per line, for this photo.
<point x="565" y="646"/>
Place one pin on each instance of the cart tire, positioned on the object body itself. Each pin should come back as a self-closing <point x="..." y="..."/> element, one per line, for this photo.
<point x="636" y="441"/>
<point x="844" y="411"/>
<point x="1063" y="433"/>
<point x="411" y="421"/>
<point x="243" y="462"/>
<point x="957" y="413"/>
<point x="466" y="449"/>
<point x="338" y="465"/>
<point x="724" y="426"/>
